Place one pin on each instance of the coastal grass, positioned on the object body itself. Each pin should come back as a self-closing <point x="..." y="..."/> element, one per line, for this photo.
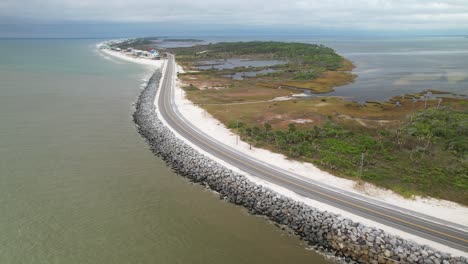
<point x="396" y="157"/>
<point x="324" y="82"/>
<point x="212" y="89"/>
<point x="426" y="155"/>
<point x="317" y="110"/>
<point x="222" y="94"/>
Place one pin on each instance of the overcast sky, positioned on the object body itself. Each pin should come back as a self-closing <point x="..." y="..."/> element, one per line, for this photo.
<point x="374" y="15"/>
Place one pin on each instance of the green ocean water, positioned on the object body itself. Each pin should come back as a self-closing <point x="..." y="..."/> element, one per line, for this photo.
<point x="79" y="185"/>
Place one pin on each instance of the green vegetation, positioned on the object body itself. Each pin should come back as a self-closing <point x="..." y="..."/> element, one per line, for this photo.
<point x="301" y="56"/>
<point x="426" y="155"/>
<point x="134" y="43"/>
<point x="182" y="40"/>
<point x="448" y="129"/>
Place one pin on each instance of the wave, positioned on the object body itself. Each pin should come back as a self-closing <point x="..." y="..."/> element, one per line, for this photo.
<point x="101" y="54"/>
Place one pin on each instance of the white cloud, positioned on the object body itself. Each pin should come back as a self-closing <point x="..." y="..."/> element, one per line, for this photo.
<point x="361" y="14"/>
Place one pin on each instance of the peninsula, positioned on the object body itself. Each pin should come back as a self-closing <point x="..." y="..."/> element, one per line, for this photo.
<point x="178" y="141"/>
<point x="273" y="95"/>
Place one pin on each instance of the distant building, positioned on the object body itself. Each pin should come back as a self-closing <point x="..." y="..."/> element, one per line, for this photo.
<point x="137" y="52"/>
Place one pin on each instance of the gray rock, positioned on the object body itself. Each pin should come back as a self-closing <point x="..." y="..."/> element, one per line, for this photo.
<point x="387" y="253"/>
<point x="413" y="258"/>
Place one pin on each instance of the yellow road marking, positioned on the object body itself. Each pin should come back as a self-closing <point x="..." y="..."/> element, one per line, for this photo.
<point x="324" y="194"/>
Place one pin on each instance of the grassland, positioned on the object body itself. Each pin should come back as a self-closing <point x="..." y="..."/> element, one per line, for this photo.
<point x="333" y="133"/>
<point x="426" y="153"/>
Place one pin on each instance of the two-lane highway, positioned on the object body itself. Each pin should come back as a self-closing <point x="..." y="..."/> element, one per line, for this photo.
<point x="399" y="218"/>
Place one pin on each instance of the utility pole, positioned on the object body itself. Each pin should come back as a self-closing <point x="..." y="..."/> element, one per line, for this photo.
<point x="438" y="105"/>
<point x="362" y="164"/>
<point x="237" y="136"/>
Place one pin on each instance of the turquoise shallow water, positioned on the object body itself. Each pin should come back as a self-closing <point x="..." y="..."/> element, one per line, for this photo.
<point x="79" y="185"/>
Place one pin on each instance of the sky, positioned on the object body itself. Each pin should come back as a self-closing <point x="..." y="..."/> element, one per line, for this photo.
<point x="120" y="17"/>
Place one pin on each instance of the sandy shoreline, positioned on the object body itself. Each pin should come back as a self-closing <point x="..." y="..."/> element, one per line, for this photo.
<point x="154" y="64"/>
<point x="451" y="211"/>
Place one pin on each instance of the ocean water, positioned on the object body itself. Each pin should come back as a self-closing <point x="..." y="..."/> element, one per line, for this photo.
<point x="79" y="185"/>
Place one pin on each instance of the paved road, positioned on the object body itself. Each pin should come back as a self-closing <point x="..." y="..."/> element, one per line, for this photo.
<point x="424" y="226"/>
